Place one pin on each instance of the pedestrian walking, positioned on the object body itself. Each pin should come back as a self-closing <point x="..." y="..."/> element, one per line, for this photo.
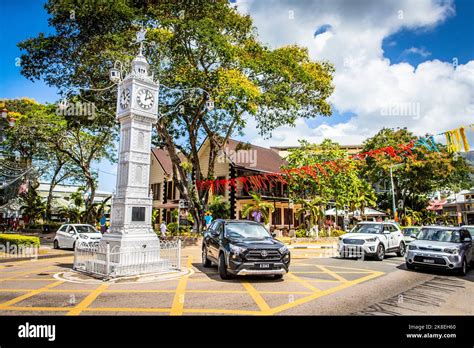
<point x="163" y="229"/>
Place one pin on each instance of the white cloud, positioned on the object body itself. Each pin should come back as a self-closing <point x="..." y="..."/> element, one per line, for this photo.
<point x="421" y="51"/>
<point x="430" y="98"/>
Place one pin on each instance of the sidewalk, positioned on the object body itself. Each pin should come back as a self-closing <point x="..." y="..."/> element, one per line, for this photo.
<point x="312" y="246"/>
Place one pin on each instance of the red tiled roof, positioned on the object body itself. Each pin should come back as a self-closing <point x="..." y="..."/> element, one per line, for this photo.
<point x="259" y="158"/>
<point x="164" y="158"/>
<point x="436" y="205"/>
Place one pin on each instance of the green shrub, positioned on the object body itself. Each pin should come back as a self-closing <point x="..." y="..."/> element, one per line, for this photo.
<point x="17" y="239"/>
<point x="300" y="233"/>
<point x="337" y="233"/>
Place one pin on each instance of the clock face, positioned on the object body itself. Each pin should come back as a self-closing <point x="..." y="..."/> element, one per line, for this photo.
<point x="145" y="98"/>
<point x="125" y="98"/>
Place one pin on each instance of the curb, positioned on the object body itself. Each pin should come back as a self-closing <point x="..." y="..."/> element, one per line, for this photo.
<point x="312" y="246"/>
<point x="39" y="257"/>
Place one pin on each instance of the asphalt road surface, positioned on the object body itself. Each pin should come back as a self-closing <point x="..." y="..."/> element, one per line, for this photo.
<point x="318" y="284"/>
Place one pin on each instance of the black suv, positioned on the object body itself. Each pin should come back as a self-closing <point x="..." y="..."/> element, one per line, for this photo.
<point x="242" y="247"/>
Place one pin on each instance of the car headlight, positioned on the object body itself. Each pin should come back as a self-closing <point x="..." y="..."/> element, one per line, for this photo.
<point x="451" y="250"/>
<point x="283" y="249"/>
<point x="412" y="247"/>
<point x="83" y="236"/>
<point x="236" y="249"/>
<point x="371" y="239"/>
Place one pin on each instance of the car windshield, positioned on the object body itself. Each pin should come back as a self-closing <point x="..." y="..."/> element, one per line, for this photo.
<point x="410" y="231"/>
<point x="246" y="230"/>
<point x="439" y="235"/>
<point x="86" y="229"/>
<point x="367" y="228"/>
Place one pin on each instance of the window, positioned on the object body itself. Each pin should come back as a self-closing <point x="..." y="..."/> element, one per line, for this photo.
<point x="63" y="228"/>
<point x="156" y="189"/>
<point x="276" y="217"/>
<point x="169" y="191"/>
<point x="288" y="216"/>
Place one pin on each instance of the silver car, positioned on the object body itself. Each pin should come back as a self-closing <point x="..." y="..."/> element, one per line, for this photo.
<point x="441" y="247"/>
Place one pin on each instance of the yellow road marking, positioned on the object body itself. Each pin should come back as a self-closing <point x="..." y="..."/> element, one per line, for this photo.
<point x="256" y="297"/>
<point x="304" y="283"/>
<point x="178" y="301"/>
<point x="19" y="274"/>
<point x="88" y="300"/>
<point x="30" y="294"/>
<point x="111" y="309"/>
<point x="32" y="279"/>
<point x="324" y="293"/>
<point x="332" y="273"/>
<point x="33" y="309"/>
<point x="222" y="311"/>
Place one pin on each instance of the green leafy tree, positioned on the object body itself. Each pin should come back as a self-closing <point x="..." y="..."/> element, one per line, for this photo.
<point x="33" y="207"/>
<point x="190" y="44"/>
<point x="314" y="209"/>
<point x="219" y="208"/>
<point x="258" y="207"/>
<point x="342" y="187"/>
<point x="414" y="177"/>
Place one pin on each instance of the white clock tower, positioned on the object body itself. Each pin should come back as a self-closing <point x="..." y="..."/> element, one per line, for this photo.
<point x="137" y="110"/>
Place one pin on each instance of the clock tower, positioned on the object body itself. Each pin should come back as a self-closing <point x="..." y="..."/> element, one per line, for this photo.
<point x="137" y="111"/>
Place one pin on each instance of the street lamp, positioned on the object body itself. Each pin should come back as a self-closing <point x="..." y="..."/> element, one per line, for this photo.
<point x="394" y="206"/>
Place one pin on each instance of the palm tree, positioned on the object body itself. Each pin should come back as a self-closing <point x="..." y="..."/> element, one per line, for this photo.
<point x="365" y="197"/>
<point x="219" y="208"/>
<point x="258" y="208"/>
<point x="314" y="209"/>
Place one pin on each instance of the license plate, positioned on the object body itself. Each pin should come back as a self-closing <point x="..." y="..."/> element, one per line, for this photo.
<point x="264" y="265"/>
<point x="428" y="261"/>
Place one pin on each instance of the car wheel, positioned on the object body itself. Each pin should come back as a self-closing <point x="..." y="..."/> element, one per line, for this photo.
<point x="205" y="261"/>
<point x="410" y="266"/>
<point x="380" y="254"/>
<point x="401" y="249"/>
<point x="463" y="269"/>
<point x="222" y="267"/>
<point x="278" y="276"/>
<point x="55" y="244"/>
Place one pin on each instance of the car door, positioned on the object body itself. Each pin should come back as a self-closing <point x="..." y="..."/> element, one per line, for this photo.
<point x="214" y="239"/>
<point x="70" y="236"/>
<point x="60" y="236"/>
<point x="394" y="236"/>
<point x="466" y="240"/>
<point x="387" y="233"/>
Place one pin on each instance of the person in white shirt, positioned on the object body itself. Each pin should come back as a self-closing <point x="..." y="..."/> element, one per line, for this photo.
<point x="163" y="229"/>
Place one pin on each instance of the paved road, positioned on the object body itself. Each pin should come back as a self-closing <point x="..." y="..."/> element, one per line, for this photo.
<point x="318" y="284"/>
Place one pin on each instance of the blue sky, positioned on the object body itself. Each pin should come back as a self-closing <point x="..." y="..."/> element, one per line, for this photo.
<point x="448" y="38"/>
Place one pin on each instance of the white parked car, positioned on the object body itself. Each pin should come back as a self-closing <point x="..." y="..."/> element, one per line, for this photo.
<point x="372" y="239"/>
<point x="69" y="234"/>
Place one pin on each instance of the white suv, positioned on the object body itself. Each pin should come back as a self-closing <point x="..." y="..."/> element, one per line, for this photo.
<point x="372" y="239"/>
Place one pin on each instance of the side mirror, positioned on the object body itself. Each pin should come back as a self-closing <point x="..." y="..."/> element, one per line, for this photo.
<point x="467" y="240"/>
<point x="413" y="236"/>
<point x="274" y="235"/>
<point x="386" y="231"/>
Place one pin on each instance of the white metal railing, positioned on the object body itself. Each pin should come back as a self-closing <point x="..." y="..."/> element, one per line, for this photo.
<point x="104" y="261"/>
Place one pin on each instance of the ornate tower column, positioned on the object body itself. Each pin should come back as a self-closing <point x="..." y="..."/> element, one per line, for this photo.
<point x="137" y="110"/>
